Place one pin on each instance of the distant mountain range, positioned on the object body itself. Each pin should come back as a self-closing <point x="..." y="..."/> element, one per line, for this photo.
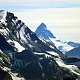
<point x="47" y="35"/>
<point x="73" y="44"/>
<point x="74" y="52"/>
<point x="28" y="55"/>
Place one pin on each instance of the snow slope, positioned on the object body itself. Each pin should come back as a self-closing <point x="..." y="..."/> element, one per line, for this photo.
<point x="72" y="68"/>
<point x="63" y="47"/>
<point x="33" y="58"/>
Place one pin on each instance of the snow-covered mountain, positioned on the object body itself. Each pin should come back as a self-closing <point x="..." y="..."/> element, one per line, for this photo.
<point x="43" y="32"/>
<point x="16" y="32"/>
<point x="47" y="35"/>
<point x="23" y="56"/>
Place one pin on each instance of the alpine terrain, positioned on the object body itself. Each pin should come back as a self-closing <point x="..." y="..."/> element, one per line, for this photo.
<point x="24" y="55"/>
<point x="46" y="35"/>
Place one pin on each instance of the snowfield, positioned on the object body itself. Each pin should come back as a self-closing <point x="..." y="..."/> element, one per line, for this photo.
<point x="17" y="45"/>
<point x="72" y="68"/>
<point x="63" y="47"/>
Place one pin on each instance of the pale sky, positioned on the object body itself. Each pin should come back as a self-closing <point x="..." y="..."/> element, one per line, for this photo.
<point x="61" y="16"/>
<point x="16" y="5"/>
<point x="38" y="1"/>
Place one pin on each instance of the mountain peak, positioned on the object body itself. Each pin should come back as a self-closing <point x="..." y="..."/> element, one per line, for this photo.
<point x="42" y="27"/>
<point x="43" y="32"/>
<point x="43" y="24"/>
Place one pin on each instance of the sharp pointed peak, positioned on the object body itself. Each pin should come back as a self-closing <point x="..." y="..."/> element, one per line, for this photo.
<point x="42" y="26"/>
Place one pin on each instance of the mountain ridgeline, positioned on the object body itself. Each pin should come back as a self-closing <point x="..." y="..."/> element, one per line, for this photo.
<point x="46" y="35"/>
<point x="24" y="56"/>
<point x="42" y="30"/>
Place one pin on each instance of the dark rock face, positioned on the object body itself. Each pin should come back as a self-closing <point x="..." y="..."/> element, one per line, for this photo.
<point x="72" y="60"/>
<point x="34" y="67"/>
<point x="31" y="71"/>
<point x="26" y="54"/>
<point x="44" y="69"/>
<point x="4" y="75"/>
<point x="4" y="44"/>
<point x="39" y="45"/>
<point x="69" y="78"/>
<point x="10" y="16"/>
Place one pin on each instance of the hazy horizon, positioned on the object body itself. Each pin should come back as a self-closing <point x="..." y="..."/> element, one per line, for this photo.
<point x="62" y="17"/>
<point x="64" y="23"/>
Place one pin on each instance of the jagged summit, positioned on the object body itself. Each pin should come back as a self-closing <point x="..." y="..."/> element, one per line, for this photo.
<point x="22" y="52"/>
<point x="45" y="34"/>
<point x="42" y="26"/>
<point x="15" y="29"/>
<point x="42" y="31"/>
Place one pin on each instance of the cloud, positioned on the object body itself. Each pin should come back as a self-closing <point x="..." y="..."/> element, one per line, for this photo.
<point x="21" y="7"/>
<point x="36" y="1"/>
<point x="53" y="16"/>
<point x="63" y="22"/>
